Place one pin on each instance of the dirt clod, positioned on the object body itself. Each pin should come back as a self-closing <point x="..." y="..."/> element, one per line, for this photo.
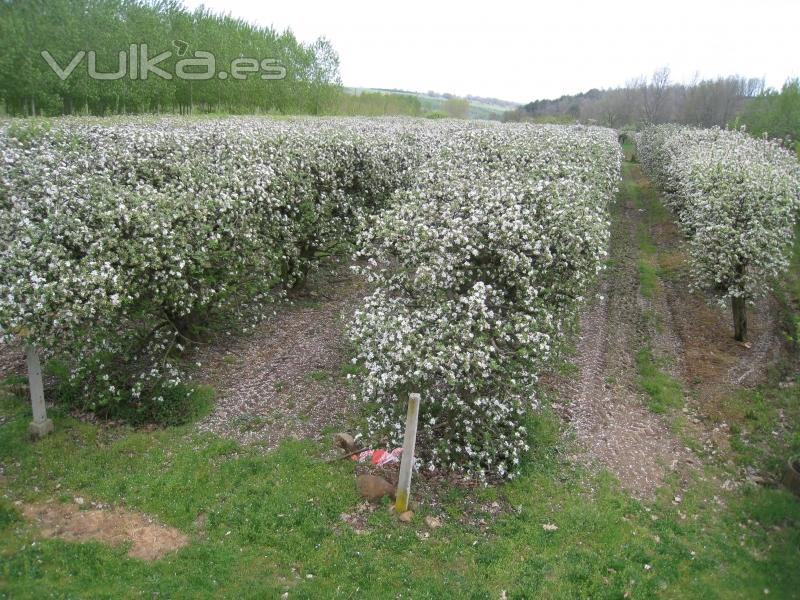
<point x="407" y="516"/>
<point x="433" y="522"/>
<point x="345" y="441"/>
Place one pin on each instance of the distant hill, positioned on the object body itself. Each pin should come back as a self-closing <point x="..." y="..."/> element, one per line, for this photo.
<point x="479" y="107"/>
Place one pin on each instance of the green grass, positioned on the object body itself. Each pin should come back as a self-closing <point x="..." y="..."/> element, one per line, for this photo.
<point x="648" y="278"/>
<point x="628" y="150"/>
<point x="764" y="426"/>
<point x="348" y="368"/>
<point x="663" y="391"/>
<point x="794" y="267"/>
<point x="319" y="375"/>
<point x="791" y="292"/>
<point x="646" y="201"/>
<point x="273" y="519"/>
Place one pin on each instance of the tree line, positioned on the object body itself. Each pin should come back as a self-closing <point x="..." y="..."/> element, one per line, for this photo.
<point x="264" y="70"/>
<point x="724" y="101"/>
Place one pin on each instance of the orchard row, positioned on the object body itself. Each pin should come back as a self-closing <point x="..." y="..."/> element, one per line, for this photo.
<point x="124" y="241"/>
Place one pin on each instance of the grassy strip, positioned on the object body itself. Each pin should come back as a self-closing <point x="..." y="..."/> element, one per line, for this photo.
<point x="646" y="201"/>
<point x="648" y="278"/>
<point x="664" y="391"/>
<point x="273" y="525"/>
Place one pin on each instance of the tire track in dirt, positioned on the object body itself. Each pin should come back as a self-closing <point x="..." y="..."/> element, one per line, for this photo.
<point x="284" y="380"/>
<point x="605" y="407"/>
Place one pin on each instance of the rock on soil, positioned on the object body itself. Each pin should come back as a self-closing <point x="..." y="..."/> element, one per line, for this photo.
<point x="407" y="516"/>
<point x="373" y="488"/>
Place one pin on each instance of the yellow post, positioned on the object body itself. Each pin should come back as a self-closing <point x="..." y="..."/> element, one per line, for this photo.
<point x="407" y="461"/>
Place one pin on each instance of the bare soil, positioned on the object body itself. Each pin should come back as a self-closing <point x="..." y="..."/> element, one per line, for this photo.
<point x="605" y="408"/>
<point x="690" y="336"/>
<point x="286" y="378"/>
<point x="12" y="360"/>
<point x="148" y="539"/>
<point x="604" y="404"/>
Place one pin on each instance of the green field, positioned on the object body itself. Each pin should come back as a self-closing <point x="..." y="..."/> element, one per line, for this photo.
<point x="432" y="104"/>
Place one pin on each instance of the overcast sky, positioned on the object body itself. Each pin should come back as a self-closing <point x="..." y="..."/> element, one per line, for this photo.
<point x="529" y="50"/>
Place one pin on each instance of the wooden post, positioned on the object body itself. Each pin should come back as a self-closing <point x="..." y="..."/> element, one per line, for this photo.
<point x="41" y="425"/>
<point x="407" y="461"/>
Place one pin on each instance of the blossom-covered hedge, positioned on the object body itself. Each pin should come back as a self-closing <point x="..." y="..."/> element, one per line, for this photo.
<point x="480" y="263"/>
<point x="736" y="198"/>
<point x="121" y="241"/>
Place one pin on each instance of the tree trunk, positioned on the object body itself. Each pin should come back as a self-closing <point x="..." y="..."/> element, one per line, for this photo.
<point x="739" y="306"/>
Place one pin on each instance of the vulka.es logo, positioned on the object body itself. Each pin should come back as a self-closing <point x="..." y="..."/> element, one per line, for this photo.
<point x="137" y="64"/>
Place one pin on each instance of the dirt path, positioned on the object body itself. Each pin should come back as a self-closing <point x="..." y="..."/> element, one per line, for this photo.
<point x="287" y="378"/>
<point x="605" y="406"/>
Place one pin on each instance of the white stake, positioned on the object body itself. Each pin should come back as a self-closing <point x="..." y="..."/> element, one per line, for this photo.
<point x="407" y="461"/>
<point x="41" y="425"/>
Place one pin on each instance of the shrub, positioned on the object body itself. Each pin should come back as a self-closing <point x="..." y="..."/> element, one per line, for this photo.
<point x="480" y="264"/>
<point x="126" y="240"/>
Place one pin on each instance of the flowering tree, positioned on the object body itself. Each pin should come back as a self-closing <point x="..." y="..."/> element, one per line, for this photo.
<point x="479" y="265"/>
<point x="736" y="198"/>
